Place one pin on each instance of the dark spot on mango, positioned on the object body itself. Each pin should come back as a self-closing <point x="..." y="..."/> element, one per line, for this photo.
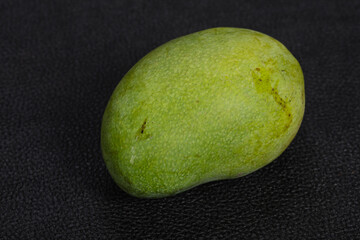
<point x="143" y="126"/>
<point x="263" y="84"/>
<point x="141" y="132"/>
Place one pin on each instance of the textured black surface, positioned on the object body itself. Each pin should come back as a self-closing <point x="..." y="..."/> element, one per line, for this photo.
<point x="59" y="63"/>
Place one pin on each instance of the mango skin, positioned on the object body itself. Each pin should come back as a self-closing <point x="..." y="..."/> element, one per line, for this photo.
<point x="216" y="104"/>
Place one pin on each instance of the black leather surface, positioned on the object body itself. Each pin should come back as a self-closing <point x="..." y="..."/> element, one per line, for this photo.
<point x="60" y="62"/>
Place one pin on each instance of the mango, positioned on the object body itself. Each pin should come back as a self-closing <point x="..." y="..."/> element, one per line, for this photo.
<point x="215" y="104"/>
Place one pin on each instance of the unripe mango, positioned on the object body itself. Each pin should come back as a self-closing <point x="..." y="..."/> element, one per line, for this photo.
<point x="216" y="104"/>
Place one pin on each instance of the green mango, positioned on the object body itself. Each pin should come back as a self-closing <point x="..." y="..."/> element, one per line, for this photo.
<point x="216" y="104"/>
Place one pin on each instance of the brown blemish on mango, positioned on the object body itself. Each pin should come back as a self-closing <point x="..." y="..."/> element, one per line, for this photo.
<point x="264" y="85"/>
<point x="141" y="132"/>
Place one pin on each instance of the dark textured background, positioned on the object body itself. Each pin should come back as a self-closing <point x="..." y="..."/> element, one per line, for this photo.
<point x="60" y="62"/>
